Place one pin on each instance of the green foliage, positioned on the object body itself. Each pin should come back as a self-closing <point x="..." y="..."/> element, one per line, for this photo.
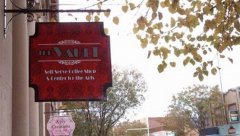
<point x="97" y="118"/>
<point x="189" y="30"/>
<point x="192" y="108"/>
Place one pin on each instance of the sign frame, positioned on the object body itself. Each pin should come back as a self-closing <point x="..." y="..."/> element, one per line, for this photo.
<point x="100" y="59"/>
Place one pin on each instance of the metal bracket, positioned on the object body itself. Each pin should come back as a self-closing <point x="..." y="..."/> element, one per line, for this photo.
<point x="30" y="11"/>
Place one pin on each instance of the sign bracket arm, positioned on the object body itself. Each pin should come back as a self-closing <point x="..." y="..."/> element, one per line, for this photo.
<point x="19" y="11"/>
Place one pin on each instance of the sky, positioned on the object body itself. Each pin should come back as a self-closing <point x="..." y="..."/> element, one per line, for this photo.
<point x="127" y="53"/>
<point x="161" y="86"/>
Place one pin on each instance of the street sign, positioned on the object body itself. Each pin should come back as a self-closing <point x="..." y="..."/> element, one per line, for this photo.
<point x="70" y="61"/>
<point x="60" y="126"/>
<point x="233" y="115"/>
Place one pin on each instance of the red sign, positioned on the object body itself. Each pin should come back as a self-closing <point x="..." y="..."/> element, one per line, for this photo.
<point x="70" y="61"/>
<point x="60" y="126"/>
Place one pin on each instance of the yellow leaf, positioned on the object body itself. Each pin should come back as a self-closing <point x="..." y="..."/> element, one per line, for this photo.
<point x="178" y="35"/>
<point x="197" y="57"/>
<point x="220" y="6"/>
<point x="177" y="52"/>
<point x="166" y="3"/>
<point x="199" y="5"/>
<point x="162" y="4"/>
<point x="156" y="52"/>
<point x="172" y="9"/>
<point x="132" y="6"/>
<point x="158" y="26"/>
<point x="200" y="77"/>
<point x="173" y="64"/>
<point x="88" y="17"/>
<point x="186" y="61"/>
<point x="96" y="18"/>
<point x="207" y="9"/>
<point x="165" y="52"/>
<point x="181" y="11"/>
<point x="135" y="30"/>
<point x="154" y="39"/>
<point x="154" y="15"/>
<point x="160" y="68"/>
<point x="106" y="31"/>
<point x="205" y="73"/>
<point x="195" y="74"/>
<point x="144" y="42"/>
<point x="107" y="14"/>
<point x="214" y="71"/>
<point x="138" y="37"/>
<point x="192" y="61"/>
<point x="142" y="22"/>
<point x="237" y="25"/>
<point x="125" y="8"/>
<point x="173" y="22"/>
<point x="116" y="20"/>
<point x="150" y="30"/>
<point x="167" y="38"/>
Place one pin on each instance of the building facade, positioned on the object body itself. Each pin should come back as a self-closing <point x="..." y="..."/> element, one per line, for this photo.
<point x="231" y="113"/>
<point x="231" y="99"/>
<point x="156" y="126"/>
<point x="20" y="115"/>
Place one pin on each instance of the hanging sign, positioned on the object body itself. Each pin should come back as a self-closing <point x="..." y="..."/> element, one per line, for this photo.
<point x="233" y="116"/>
<point x="70" y="61"/>
<point x="60" y="126"/>
<point x="231" y="130"/>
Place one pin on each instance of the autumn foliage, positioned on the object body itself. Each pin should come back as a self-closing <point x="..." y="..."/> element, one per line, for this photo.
<point x="194" y="32"/>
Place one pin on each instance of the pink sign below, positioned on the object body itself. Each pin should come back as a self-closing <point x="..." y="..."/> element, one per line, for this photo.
<point x="60" y="126"/>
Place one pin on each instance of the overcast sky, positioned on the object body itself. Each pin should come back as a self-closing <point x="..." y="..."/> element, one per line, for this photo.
<point x="126" y="52"/>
